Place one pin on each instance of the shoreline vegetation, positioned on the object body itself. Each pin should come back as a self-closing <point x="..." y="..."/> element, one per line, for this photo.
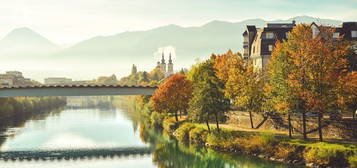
<point x="26" y="107"/>
<point x="307" y="76"/>
<point x="266" y="146"/>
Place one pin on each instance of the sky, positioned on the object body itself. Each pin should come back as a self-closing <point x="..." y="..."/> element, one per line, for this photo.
<point x="69" y="21"/>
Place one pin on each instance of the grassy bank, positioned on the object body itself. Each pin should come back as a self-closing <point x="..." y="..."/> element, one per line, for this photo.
<point x="265" y="145"/>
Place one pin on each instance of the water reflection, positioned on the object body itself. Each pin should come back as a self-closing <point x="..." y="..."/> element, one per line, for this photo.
<point x="73" y="129"/>
<point x="107" y="128"/>
<point x="127" y="162"/>
<point x="168" y="153"/>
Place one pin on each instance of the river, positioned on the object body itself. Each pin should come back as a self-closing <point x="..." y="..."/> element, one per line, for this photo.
<point x="104" y="129"/>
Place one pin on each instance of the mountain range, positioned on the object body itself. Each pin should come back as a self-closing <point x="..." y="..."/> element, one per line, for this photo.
<point x="138" y="47"/>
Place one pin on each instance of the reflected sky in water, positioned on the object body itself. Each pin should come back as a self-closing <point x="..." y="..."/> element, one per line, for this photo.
<point x="76" y="129"/>
<point x="72" y="129"/>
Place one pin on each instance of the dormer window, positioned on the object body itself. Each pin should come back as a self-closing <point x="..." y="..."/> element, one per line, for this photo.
<point x="336" y="35"/>
<point x="269" y="35"/>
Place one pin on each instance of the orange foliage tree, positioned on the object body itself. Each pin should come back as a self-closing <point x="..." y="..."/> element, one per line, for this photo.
<point x="318" y="64"/>
<point x="173" y="95"/>
<point x="225" y="62"/>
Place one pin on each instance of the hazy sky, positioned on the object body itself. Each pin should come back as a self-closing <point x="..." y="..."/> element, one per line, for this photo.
<point x="69" y="21"/>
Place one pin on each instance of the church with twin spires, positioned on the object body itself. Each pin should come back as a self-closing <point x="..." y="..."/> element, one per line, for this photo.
<point x="167" y="69"/>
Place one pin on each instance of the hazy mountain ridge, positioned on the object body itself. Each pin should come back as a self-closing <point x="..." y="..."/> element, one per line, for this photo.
<point x="190" y="42"/>
<point x="25" y="42"/>
<point x="137" y="47"/>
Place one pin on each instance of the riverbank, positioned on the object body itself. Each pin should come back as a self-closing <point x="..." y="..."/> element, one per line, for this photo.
<point x="264" y="145"/>
<point x="24" y="106"/>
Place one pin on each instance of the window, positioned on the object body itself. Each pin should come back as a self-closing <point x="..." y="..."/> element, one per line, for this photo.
<point x="269" y="35"/>
<point x="246" y="39"/>
<point x="315" y="31"/>
<point x="254" y="49"/>
<point x="271" y="47"/>
<point x="336" y="35"/>
<point x="354" y="33"/>
<point x="287" y="34"/>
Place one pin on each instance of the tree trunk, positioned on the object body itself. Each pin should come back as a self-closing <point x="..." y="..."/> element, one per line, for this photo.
<point x="176" y="116"/>
<point x="180" y="114"/>
<point x="217" y="122"/>
<point x="304" y="125"/>
<point x="209" y="129"/>
<point x="320" y="127"/>
<point x="251" y="119"/>
<point x="289" y="120"/>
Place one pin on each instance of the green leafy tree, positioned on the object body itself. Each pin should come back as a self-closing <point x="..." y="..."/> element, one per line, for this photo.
<point x="278" y="94"/>
<point x="245" y="87"/>
<point x="208" y="101"/>
<point x="134" y="70"/>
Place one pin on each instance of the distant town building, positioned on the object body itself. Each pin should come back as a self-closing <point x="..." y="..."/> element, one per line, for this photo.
<point x="168" y="69"/>
<point x="57" y="81"/>
<point x="259" y="43"/>
<point x="14" y="78"/>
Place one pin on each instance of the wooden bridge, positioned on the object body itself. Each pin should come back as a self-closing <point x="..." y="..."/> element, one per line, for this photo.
<point x="75" y="90"/>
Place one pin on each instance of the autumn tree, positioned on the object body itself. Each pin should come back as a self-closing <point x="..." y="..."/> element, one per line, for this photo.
<point x="225" y="62"/>
<point x="347" y="93"/>
<point x="244" y="86"/>
<point x="208" y="101"/>
<point x="317" y="65"/>
<point x="173" y="95"/>
<point x="278" y="94"/>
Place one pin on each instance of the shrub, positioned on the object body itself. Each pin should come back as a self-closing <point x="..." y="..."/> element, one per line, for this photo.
<point x="261" y="143"/>
<point x="156" y="120"/>
<point x="170" y="125"/>
<point x="223" y="139"/>
<point x="198" y="136"/>
<point x="326" y="154"/>
<point x="286" y="152"/>
<point x="182" y="133"/>
<point x="352" y="161"/>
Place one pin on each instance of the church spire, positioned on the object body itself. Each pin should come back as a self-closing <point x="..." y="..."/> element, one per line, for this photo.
<point x="170" y="60"/>
<point x="162" y="59"/>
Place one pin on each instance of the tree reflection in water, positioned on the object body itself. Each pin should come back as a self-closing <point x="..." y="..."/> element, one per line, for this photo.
<point x="169" y="153"/>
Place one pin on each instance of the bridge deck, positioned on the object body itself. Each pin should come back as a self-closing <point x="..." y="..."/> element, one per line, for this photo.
<point x="75" y="90"/>
<point x="73" y="154"/>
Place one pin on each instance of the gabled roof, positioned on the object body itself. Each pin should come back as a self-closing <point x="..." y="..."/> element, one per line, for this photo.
<point x="251" y="28"/>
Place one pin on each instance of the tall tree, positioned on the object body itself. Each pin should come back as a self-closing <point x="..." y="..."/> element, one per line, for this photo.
<point x="278" y="94"/>
<point x="134" y="70"/>
<point x="317" y="65"/>
<point x="173" y="95"/>
<point x="208" y="101"/>
<point x="245" y="86"/>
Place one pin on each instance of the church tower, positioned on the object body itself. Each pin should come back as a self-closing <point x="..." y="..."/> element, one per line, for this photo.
<point x="163" y="64"/>
<point x="170" y="67"/>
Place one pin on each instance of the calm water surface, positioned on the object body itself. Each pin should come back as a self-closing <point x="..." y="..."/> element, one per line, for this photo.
<point x="71" y="129"/>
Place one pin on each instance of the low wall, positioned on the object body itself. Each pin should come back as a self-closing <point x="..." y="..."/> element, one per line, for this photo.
<point x="334" y="129"/>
